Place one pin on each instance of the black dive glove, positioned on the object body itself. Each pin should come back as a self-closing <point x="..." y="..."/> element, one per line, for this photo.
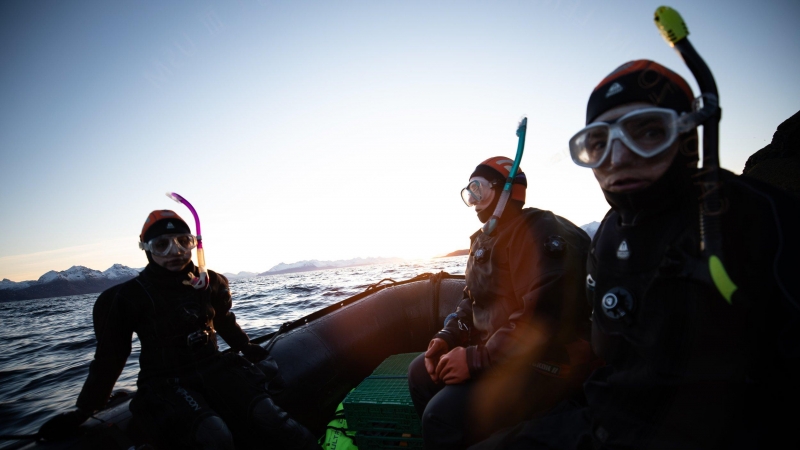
<point x="254" y="353"/>
<point x="63" y="426"/>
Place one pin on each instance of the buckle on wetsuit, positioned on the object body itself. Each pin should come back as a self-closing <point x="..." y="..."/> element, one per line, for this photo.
<point x="618" y="304"/>
<point x="198" y="338"/>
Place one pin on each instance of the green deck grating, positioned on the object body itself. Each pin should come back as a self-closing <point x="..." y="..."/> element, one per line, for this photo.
<point x="382" y="403"/>
<point x="396" y="364"/>
<point x="380" y="441"/>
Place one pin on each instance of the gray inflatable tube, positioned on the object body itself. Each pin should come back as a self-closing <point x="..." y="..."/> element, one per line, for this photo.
<point x="322" y="360"/>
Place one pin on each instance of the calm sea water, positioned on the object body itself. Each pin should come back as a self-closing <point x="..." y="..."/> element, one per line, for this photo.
<point x="46" y="345"/>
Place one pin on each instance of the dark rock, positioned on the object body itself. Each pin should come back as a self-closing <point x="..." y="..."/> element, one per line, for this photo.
<point x="779" y="162"/>
<point x="456" y="253"/>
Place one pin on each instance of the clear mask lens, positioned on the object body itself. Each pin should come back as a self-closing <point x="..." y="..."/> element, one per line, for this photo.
<point x="163" y="245"/>
<point x="473" y="193"/>
<point x="646" y="132"/>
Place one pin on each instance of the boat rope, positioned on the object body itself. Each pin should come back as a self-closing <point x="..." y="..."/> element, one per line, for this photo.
<point x="284" y="326"/>
<point x="374" y="286"/>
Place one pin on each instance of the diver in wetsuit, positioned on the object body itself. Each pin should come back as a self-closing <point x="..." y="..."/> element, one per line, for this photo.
<point x="688" y="365"/>
<point x="189" y="393"/>
<point x="520" y="333"/>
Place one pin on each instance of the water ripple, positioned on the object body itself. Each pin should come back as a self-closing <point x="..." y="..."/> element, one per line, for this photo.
<point x="46" y="345"/>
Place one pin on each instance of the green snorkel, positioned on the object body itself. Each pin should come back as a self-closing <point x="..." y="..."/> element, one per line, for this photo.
<point x="491" y="224"/>
<point x="673" y="29"/>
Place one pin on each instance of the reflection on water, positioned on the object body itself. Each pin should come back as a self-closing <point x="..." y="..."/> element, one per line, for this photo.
<point x="46" y="345"/>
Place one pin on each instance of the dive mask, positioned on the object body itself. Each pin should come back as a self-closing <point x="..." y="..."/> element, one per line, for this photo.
<point x="476" y="190"/>
<point x="646" y="132"/>
<point x="164" y="245"/>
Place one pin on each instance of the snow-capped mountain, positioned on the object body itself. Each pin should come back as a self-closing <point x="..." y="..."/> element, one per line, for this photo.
<point x="591" y="228"/>
<point x="73" y="281"/>
<point x="118" y="271"/>
<point x="314" y="264"/>
<point x="74" y="273"/>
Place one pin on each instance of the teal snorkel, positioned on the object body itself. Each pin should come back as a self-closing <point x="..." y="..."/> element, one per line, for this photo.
<point x="491" y="224"/>
<point x="712" y="205"/>
<point x="200" y="282"/>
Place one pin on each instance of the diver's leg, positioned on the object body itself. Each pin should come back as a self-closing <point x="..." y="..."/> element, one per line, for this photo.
<point x="444" y="421"/>
<point x="274" y="423"/>
<point x="211" y="433"/>
<point x="179" y="416"/>
<point x="565" y="427"/>
<point x="237" y="391"/>
<point x="420" y="384"/>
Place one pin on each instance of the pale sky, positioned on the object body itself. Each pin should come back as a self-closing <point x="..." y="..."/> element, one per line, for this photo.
<point x="329" y="130"/>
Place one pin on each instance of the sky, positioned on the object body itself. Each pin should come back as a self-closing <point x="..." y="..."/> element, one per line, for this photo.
<point x="329" y="130"/>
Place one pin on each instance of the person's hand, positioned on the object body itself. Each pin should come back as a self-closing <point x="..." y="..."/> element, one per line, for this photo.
<point x="452" y="367"/>
<point x="63" y="426"/>
<point x="436" y="348"/>
<point x="254" y="353"/>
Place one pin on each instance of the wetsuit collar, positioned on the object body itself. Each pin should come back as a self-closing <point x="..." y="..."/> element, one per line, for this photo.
<point x="512" y="210"/>
<point x="673" y="186"/>
<point x="160" y="275"/>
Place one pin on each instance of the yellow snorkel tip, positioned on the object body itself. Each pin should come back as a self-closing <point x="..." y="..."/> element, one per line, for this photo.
<point x="722" y="281"/>
<point x="671" y="25"/>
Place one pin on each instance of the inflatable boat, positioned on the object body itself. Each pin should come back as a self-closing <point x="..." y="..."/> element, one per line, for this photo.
<point x="320" y="357"/>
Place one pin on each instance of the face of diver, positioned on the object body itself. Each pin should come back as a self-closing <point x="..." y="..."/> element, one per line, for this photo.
<point x="624" y="171"/>
<point x="176" y="260"/>
<point x="487" y="194"/>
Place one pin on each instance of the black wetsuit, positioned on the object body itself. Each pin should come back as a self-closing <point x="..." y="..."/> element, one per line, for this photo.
<point x="183" y="377"/>
<point x="525" y="280"/>
<point x="686" y="368"/>
<point x="163" y="312"/>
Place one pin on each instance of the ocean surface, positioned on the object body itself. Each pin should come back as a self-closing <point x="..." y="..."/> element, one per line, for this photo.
<point x="46" y="345"/>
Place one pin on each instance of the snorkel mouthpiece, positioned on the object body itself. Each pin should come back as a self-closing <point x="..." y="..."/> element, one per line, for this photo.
<point x="200" y="282"/>
<point x="671" y="25"/>
<point x="491" y="224"/>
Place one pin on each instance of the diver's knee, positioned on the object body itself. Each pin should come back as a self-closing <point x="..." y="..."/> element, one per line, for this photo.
<point x="268" y="416"/>
<point x="418" y="376"/>
<point x="212" y="434"/>
<point x="271" y="419"/>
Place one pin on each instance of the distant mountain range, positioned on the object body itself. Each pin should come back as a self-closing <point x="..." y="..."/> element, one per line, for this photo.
<point x="311" y="265"/>
<point x="74" y="281"/>
<point x="456" y="253"/>
<point x="314" y="264"/>
<point x="240" y="276"/>
<point x="81" y="280"/>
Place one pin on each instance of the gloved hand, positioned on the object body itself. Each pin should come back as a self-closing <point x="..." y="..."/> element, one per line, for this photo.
<point x="63" y="426"/>
<point x="254" y="353"/>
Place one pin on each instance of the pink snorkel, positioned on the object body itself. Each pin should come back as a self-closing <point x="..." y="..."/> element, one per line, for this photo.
<point x="200" y="282"/>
